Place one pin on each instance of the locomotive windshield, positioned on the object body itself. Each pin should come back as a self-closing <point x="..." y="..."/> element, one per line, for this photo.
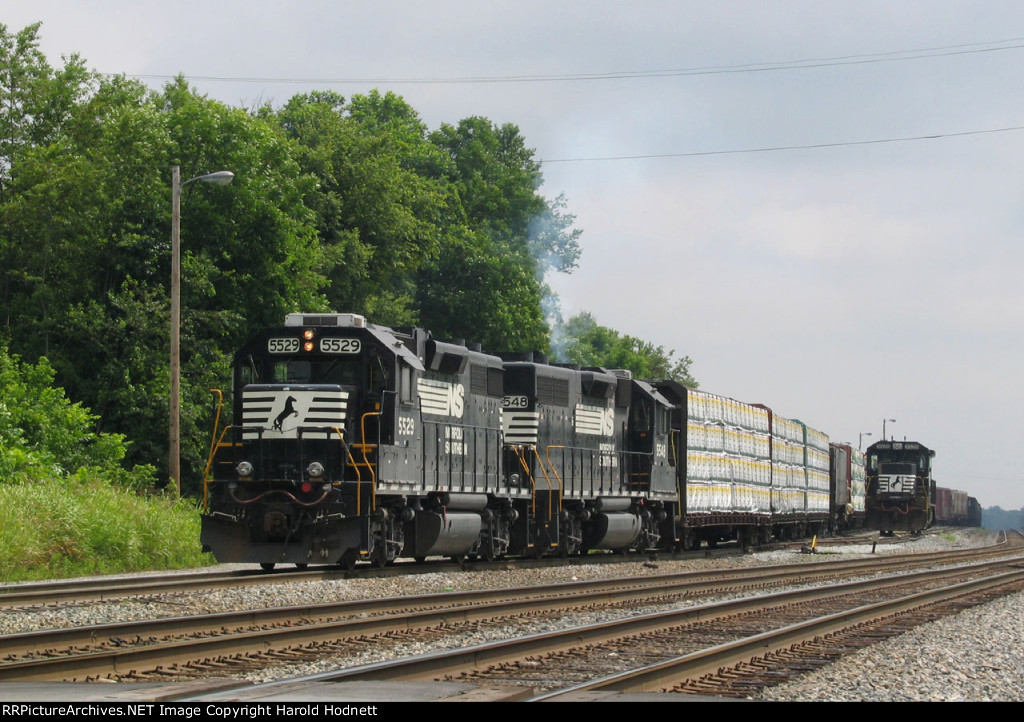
<point x="898" y="468"/>
<point x="899" y="461"/>
<point x="300" y="370"/>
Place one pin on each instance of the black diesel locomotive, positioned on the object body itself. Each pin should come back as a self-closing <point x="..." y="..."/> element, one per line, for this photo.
<point x="900" y="489"/>
<point x="354" y="442"/>
<point x="357" y="442"/>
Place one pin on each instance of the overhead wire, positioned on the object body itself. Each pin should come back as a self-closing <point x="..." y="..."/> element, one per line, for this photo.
<point x="807" y="63"/>
<point x="886" y="57"/>
<point x="770" y="149"/>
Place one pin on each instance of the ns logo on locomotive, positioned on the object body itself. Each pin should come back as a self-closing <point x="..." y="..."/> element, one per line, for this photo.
<point x="355" y="442"/>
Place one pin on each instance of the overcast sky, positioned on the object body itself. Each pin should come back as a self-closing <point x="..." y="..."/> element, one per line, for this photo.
<point x="818" y="202"/>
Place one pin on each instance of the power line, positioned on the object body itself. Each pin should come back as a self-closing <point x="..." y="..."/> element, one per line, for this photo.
<point x="777" y="148"/>
<point x="863" y="59"/>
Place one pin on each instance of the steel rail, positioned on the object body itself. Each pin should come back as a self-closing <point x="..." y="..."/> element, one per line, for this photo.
<point x="451" y="662"/>
<point x="49" y="642"/>
<point x="118" y="587"/>
<point x="655" y="677"/>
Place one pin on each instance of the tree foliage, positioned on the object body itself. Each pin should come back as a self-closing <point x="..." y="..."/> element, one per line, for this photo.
<point x="348" y="204"/>
<point x="586" y="343"/>
<point x="43" y="434"/>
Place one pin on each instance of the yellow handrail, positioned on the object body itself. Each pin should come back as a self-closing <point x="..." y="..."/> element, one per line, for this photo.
<point x="348" y="453"/>
<point x="216" y="422"/>
<point x="366" y="460"/>
<point x="547" y="454"/>
<point x="352" y="461"/>
<point x="518" y="450"/>
<point x="540" y="463"/>
<point x="209" y="463"/>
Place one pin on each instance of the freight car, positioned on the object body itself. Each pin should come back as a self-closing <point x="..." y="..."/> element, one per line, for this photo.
<point x="354" y="442"/>
<point x="900" y="491"/>
<point x="973" y="512"/>
<point x="950" y="507"/>
<point x="847" y="486"/>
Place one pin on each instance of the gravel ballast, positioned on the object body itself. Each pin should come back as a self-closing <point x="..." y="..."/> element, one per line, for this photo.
<point x="977" y="655"/>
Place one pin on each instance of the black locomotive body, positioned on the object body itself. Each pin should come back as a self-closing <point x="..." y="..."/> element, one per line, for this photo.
<point x="592" y="446"/>
<point x="973" y="512"/>
<point x="900" y="491"/>
<point x="353" y="441"/>
<point x="358" y="442"/>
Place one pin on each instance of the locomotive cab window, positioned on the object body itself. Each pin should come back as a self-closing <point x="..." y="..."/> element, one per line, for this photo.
<point x="378" y="375"/>
<point x="640" y="416"/>
<point x="249" y="372"/>
<point x="407" y="383"/>
<point x="344" y="372"/>
<point x="292" y="371"/>
<point x="899" y="468"/>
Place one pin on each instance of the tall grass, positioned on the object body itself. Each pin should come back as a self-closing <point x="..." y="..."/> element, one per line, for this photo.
<point x="70" y="527"/>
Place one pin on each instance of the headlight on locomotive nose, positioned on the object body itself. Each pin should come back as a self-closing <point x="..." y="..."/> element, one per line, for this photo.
<point x="244" y="468"/>
<point x="315" y="470"/>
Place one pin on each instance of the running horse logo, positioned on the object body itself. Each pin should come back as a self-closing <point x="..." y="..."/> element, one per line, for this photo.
<point x="289" y="409"/>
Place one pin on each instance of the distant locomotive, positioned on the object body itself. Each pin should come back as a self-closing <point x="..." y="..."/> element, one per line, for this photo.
<point x="900" y="489"/>
<point x="354" y="442"/>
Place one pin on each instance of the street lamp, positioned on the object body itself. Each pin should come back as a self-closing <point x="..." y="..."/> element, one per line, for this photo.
<point x="861" y="439"/>
<point x="884" y="437"/>
<point x="221" y="177"/>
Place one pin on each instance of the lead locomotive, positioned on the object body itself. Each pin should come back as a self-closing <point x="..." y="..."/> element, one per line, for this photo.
<point x="358" y="442"/>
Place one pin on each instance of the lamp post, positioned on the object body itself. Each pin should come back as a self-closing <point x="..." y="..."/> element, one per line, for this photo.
<point x="221" y="177"/>
<point x="861" y="439"/>
<point x="884" y="437"/>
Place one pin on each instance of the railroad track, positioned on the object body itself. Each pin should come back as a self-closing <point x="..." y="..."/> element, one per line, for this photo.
<point x="202" y="645"/>
<point x="49" y="594"/>
<point x="743" y="668"/>
<point x="725" y="648"/>
<point x="37" y="595"/>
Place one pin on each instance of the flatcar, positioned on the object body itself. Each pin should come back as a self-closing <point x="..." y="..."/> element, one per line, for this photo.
<point x="900" y="491"/>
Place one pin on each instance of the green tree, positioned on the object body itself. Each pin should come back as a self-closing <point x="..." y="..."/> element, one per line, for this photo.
<point x="586" y="343"/>
<point x="522" y="236"/>
<point x="84" y="251"/>
<point x="351" y="205"/>
<point x="35" y="99"/>
<point x="478" y="290"/>
<point x="381" y="202"/>
<point x="43" y="434"/>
